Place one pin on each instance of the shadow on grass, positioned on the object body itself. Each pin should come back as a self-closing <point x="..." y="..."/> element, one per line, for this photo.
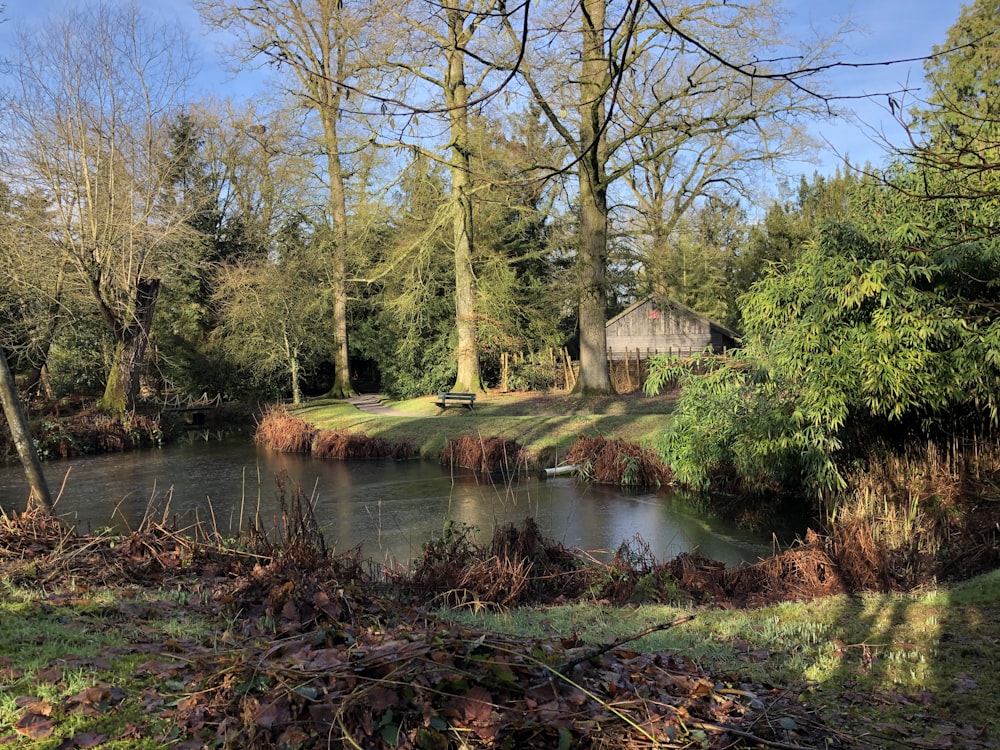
<point x="915" y="670"/>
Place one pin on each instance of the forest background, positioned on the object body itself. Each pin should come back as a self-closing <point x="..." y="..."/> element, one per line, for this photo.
<point x="433" y="185"/>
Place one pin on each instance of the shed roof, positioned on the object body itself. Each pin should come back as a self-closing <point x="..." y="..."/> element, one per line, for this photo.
<point x="666" y="304"/>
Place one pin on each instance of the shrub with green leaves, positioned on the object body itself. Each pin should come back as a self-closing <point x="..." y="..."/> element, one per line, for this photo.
<point x="735" y="422"/>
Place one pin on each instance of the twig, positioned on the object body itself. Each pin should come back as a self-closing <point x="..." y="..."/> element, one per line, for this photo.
<point x="605" y="647"/>
<point x="706" y="726"/>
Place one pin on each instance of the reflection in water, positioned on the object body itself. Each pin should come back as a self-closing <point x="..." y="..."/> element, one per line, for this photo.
<point x="390" y="508"/>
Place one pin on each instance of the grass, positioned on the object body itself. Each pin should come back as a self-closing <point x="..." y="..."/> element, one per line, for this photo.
<point x="888" y="669"/>
<point x="545" y="425"/>
<point x="70" y="654"/>
<point x="919" y="667"/>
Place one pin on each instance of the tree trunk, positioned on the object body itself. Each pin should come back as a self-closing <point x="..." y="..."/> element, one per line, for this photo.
<point x="22" y="438"/>
<point x="41" y="357"/>
<point x="593" y="258"/>
<point x="122" y="389"/>
<point x="337" y="207"/>
<point x="469" y="377"/>
<point x="292" y="357"/>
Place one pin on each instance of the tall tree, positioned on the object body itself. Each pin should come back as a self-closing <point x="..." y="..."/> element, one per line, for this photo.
<point x="244" y="175"/>
<point x="955" y="134"/>
<point x="412" y="334"/>
<point x="33" y="289"/>
<point x="518" y="307"/>
<point x="19" y="431"/>
<point x="463" y="35"/>
<point x="94" y="91"/>
<point x="320" y="44"/>
<point x="689" y="265"/>
<point x="691" y="84"/>
<point x="266" y="321"/>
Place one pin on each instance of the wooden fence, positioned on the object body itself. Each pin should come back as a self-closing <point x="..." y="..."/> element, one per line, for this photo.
<point x="555" y="369"/>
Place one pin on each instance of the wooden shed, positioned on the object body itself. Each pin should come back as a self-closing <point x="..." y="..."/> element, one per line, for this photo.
<point x="651" y="327"/>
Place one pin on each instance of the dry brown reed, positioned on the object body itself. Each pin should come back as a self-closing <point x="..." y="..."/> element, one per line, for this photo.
<point x="616" y="461"/>
<point x="915" y="516"/>
<point x="488" y="455"/>
<point x="280" y="431"/>
<point x="519" y="566"/>
<point x="348" y="445"/>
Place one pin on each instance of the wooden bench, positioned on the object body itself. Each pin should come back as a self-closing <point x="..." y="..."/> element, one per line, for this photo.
<point x="461" y="399"/>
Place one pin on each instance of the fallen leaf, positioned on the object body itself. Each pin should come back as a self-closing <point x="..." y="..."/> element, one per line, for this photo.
<point x="35" y="726"/>
<point x="89" y="739"/>
<point x="475" y="706"/>
<point x="274" y="713"/>
<point x="51" y="675"/>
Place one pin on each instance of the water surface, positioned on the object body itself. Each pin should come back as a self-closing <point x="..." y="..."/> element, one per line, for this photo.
<point x="387" y="507"/>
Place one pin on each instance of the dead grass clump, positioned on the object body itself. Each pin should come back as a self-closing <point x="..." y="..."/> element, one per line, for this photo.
<point x="30" y="533"/>
<point x="349" y="445"/>
<point x="518" y="567"/>
<point x="488" y="455"/>
<point x="618" y="462"/>
<point x="920" y="515"/>
<point x="805" y="571"/>
<point x="95" y="431"/>
<point x="617" y="580"/>
<point x="296" y="583"/>
<point x="402" y="450"/>
<point x="554" y="571"/>
<point x="280" y="431"/>
<point x="443" y="562"/>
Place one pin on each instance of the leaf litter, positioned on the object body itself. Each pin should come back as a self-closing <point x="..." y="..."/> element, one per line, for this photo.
<point x="322" y="650"/>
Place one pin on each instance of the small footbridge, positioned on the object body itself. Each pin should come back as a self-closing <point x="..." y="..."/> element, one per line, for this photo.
<point x="200" y="412"/>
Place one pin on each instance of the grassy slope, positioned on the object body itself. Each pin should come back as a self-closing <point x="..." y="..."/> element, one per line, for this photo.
<point x="914" y="671"/>
<point x="545" y="425"/>
<point x="892" y="670"/>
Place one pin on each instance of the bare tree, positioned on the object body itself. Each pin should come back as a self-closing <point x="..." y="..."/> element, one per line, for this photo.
<point x="320" y="44"/>
<point x="94" y="91"/>
<point x="647" y="85"/>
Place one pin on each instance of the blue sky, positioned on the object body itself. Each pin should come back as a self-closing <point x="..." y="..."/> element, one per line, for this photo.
<point x="888" y="30"/>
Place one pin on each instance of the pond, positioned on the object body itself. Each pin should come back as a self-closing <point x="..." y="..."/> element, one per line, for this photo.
<point x="389" y="508"/>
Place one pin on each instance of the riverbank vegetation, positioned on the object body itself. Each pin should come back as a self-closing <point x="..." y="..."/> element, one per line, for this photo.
<point x="173" y="636"/>
<point x="545" y="424"/>
<point x="557" y="429"/>
<point x="198" y="247"/>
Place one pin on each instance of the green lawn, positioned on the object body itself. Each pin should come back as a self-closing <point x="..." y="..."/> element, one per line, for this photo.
<point x="546" y="425"/>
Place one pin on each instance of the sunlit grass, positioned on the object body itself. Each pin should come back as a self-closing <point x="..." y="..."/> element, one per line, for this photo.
<point x="54" y="647"/>
<point x="934" y="651"/>
<point x="546" y="430"/>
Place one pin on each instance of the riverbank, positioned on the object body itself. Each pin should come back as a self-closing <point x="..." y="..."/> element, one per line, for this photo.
<point x="544" y="424"/>
<point x="74" y="426"/>
<point x="156" y="638"/>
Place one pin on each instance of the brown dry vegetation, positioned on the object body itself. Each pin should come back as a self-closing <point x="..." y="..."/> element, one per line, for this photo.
<point x="617" y="461"/>
<point x="320" y="650"/>
<point x="282" y="432"/>
<point x="357" y="446"/>
<point x="924" y="515"/>
<point x="485" y="454"/>
<point x="68" y="430"/>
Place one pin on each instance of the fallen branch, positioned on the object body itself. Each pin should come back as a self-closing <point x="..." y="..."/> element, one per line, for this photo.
<point x="605" y="647"/>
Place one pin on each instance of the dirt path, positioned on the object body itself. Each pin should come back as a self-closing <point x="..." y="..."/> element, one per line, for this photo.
<point x="371" y="403"/>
